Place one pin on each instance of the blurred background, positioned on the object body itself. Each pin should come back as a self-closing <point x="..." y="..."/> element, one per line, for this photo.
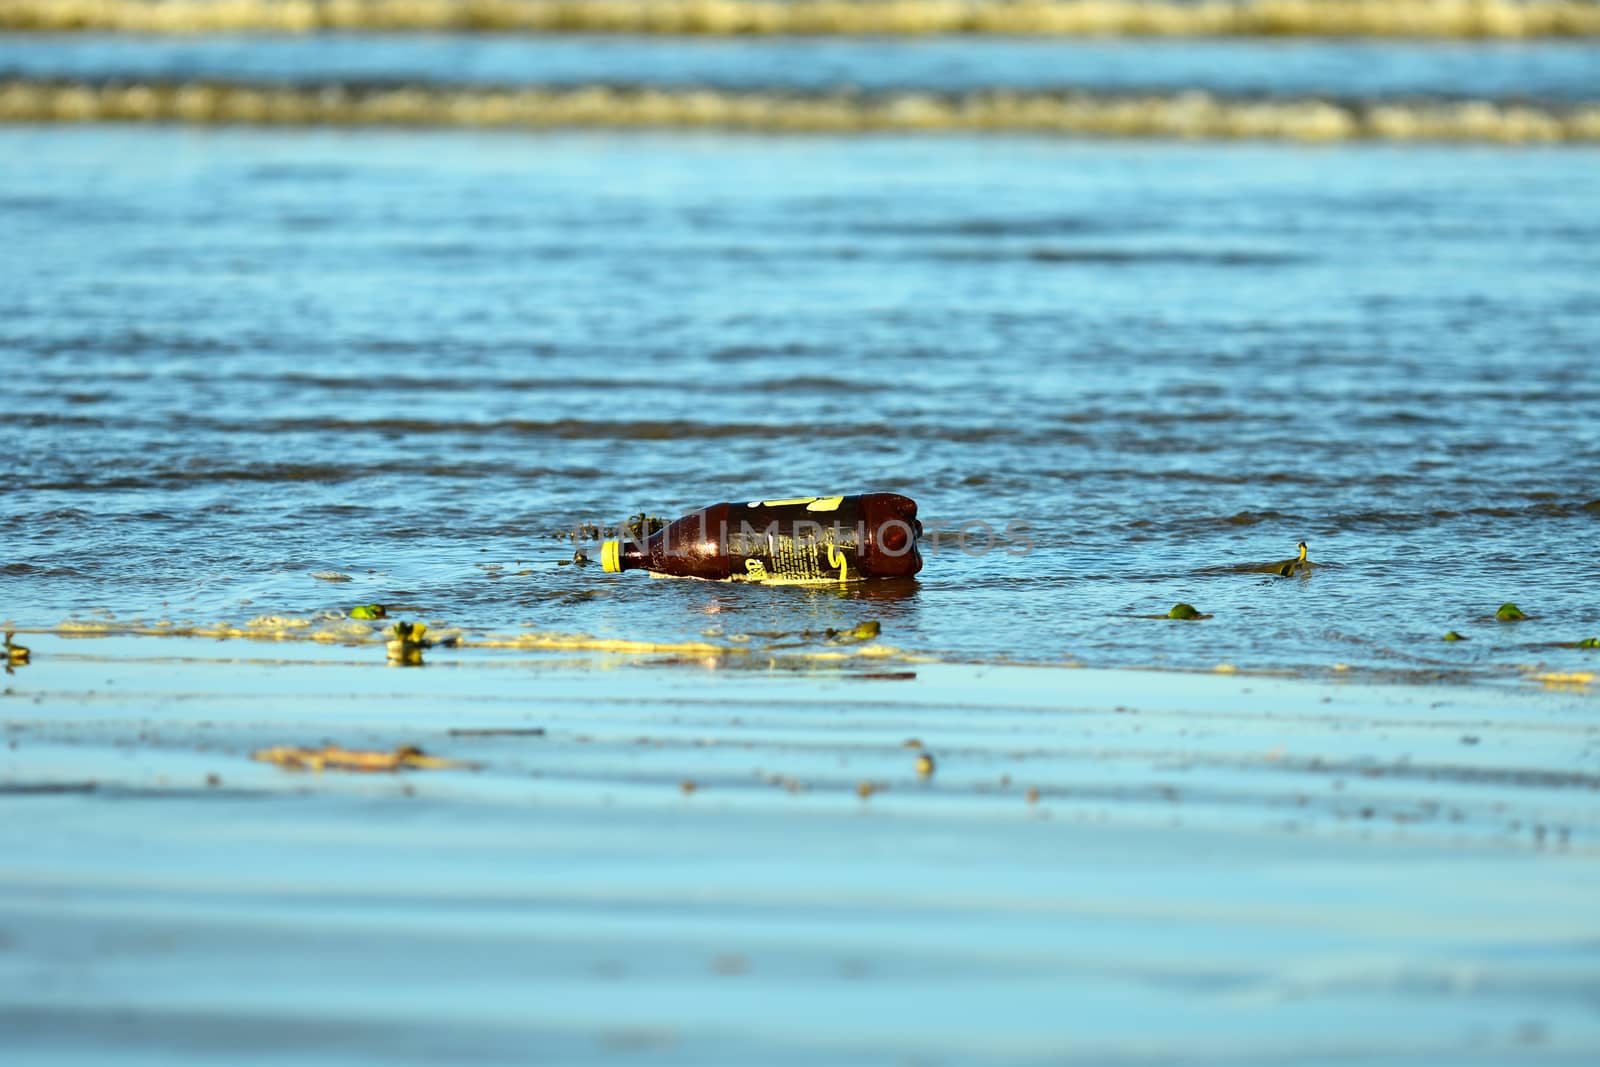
<point x="317" y="303"/>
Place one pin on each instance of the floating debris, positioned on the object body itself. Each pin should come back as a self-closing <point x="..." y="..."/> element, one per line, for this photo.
<point x="1289" y="567"/>
<point x="1588" y="642"/>
<point x="1509" y="612"/>
<point x="865" y="789"/>
<point x="407" y="644"/>
<point x="334" y="758"/>
<point x="369" y="611"/>
<point x="1181" y="610"/>
<point x="1563" y="679"/>
<point x="925" y="765"/>
<point x="331" y="576"/>
<point x="1453" y="636"/>
<point x="791" y="541"/>
<point x="864" y="631"/>
<point x="16" y="655"/>
<point x="635" y="528"/>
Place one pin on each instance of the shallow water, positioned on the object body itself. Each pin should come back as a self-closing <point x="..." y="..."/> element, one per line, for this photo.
<point x="256" y="376"/>
<point x="242" y="358"/>
<point x="1543" y="71"/>
<point x="679" y="866"/>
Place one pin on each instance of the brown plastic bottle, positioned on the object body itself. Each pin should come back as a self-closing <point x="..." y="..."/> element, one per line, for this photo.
<point x="808" y="539"/>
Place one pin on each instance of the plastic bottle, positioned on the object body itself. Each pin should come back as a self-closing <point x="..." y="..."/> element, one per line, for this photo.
<point x="802" y="540"/>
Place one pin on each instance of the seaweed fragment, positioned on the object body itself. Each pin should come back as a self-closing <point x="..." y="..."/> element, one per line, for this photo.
<point x="862" y="631"/>
<point x="16" y="655"/>
<point x="405" y="648"/>
<point x="635" y="528"/>
<point x="334" y="758"/>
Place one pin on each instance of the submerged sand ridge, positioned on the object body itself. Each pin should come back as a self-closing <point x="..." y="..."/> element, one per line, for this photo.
<point x="1193" y="115"/>
<point x="1501" y="19"/>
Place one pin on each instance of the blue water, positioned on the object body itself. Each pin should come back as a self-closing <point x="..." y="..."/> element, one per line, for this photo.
<point x="278" y="372"/>
<point x="239" y="358"/>
<point x="1546" y="70"/>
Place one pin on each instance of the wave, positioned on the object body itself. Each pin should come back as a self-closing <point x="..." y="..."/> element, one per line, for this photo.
<point x="369" y="384"/>
<point x="1495" y="19"/>
<point x="1411" y="520"/>
<point x="1114" y="257"/>
<point x="1188" y="115"/>
<point x="633" y="429"/>
<point x="322" y="473"/>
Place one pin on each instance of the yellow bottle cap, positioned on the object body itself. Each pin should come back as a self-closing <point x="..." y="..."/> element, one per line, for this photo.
<point x="611" y="556"/>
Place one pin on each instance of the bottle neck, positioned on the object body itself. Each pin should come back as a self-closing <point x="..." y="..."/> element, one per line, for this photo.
<point x="623" y="556"/>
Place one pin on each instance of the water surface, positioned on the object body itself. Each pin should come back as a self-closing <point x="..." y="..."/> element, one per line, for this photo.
<point x="416" y="359"/>
<point x="1545" y="71"/>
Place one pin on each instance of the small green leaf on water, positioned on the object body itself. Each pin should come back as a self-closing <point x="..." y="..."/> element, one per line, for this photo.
<point x="1509" y="612"/>
<point x="1183" y="611"/>
<point x="368" y="611"/>
<point x="1589" y="642"/>
<point x="1453" y="636"/>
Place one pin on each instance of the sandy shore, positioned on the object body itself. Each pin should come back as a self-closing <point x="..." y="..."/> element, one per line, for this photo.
<point x="685" y="861"/>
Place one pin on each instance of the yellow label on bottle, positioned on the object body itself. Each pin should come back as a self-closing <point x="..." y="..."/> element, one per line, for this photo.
<point x="781" y="503"/>
<point x="826" y="503"/>
<point x="783" y="559"/>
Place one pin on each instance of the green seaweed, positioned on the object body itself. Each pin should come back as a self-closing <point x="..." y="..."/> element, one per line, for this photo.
<point x="1453" y="636"/>
<point x="864" y="631"/>
<point x="1509" y="612"/>
<point x="1290" y="567"/>
<point x="1183" y="611"/>
<point x="1588" y="642"/>
<point x="369" y="611"/>
<point x="16" y="655"/>
<point x="640" y="526"/>
<point x="636" y="528"/>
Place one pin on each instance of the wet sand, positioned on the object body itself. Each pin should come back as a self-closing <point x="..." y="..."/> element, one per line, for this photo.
<point x="675" y="860"/>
